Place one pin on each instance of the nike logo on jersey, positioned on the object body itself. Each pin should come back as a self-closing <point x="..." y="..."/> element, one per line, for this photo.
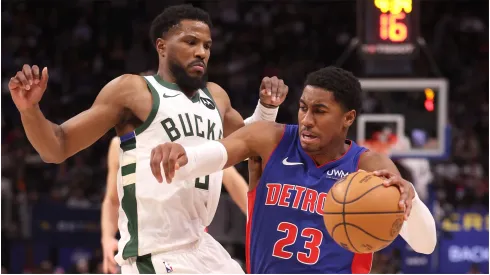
<point x="286" y="162"/>
<point x="167" y="96"/>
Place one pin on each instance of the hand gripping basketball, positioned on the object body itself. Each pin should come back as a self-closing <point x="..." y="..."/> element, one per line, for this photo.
<point x="27" y="86"/>
<point x="406" y="189"/>
<point x="362" y="214"/>
<point x="171" y="156"/>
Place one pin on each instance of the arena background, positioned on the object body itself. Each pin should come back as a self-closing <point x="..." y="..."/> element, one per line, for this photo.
<point x="51" y="213"/>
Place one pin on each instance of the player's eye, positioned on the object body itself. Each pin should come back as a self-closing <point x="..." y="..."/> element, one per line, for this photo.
<point x="303" y="108"/>
<point x="190" y="41"/>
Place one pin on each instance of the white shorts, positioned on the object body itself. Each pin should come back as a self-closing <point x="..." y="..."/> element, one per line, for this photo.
<point x="205" y="256"/>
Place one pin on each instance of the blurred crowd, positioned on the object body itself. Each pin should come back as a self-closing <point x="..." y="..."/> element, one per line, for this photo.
<point x="87" y="43"/>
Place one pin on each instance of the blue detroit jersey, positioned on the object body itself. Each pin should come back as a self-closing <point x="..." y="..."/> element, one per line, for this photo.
<point x="285" y="228"/>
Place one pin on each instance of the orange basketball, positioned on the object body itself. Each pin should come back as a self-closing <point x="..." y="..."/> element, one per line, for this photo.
<point x="361" y="214"/>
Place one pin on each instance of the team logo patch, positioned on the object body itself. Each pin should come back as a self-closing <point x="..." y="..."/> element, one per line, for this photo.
<point x="168" y="267"/>
<point x="208" y="103"/>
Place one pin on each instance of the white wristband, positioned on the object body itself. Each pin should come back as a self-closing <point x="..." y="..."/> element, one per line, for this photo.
<point x="203" y="160"/>
<point x="262" y="113"/>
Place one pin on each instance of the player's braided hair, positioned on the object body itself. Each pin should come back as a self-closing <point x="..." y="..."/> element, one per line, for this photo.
<point x="345" y="87"/>
<point x="172" y="16"/>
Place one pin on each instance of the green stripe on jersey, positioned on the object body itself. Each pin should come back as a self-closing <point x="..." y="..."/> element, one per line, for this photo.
<point x="154" y="109"/>
<point x="128" y="169"/>
<point x="129" y="144"/>
<point x="128" y="204"/>
<point x="145" y="265"/>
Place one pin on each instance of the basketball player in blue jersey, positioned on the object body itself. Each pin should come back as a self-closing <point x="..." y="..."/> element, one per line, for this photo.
<point x="285" y="228"/>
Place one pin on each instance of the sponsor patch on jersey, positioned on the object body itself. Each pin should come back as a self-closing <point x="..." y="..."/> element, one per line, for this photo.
<point x="208" y="103"/>
<point x="336" y="174"/>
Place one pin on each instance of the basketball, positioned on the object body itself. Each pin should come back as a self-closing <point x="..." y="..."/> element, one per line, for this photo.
<point x="361" y="214"/>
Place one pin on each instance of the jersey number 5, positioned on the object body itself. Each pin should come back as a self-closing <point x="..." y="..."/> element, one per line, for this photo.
<point x="315" y="237"/>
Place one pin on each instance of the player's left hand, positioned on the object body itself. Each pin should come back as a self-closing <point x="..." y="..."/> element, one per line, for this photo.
<point x="273" y="92"/>
<point x="406" y="189"/>
<point x="109" y="247"/>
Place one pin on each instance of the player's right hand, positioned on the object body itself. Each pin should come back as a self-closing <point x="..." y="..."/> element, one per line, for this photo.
<point x="171" y="156"/>
<point x="27" y="86"/>
<point x="109" y="247"/>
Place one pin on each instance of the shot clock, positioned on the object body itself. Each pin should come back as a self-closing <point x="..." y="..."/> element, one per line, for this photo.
<point x="387" y="27"/>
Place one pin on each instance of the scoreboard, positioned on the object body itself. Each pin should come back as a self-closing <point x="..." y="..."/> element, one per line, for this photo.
<point x="388" y="27"/>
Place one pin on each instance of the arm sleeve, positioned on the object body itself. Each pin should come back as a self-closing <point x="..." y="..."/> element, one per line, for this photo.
<point x="262" y="113"/>
<point x="203" y="160"/>
<point x="419" y="231"/>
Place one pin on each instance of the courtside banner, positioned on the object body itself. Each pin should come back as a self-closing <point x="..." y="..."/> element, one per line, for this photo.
<point x="413" y="262"/>
<point x="55" y="223"/>
<point x="464" y="241"/>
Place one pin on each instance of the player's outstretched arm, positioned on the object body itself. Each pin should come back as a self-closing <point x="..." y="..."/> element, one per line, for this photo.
<point x="55" y="142"/>
<point x="109" y="211"/>
<point x="257" y="139"/>
<point x="419" y="228"/>
<point x="272" y="93"/>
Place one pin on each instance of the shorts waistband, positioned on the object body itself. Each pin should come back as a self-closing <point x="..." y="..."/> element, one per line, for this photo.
<point x="180" y="249"/>
<point x="175" y="250"/>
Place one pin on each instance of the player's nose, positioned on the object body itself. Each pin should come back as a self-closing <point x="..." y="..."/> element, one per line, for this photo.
<point x="200" y="52"/>
<point x="307" y="119"/>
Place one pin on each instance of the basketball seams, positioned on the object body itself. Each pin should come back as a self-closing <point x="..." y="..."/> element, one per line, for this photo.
<point x="358" y="235"/>
<point x="343" y="211"/>
<point x="333" y="197"/>
<point x="335" y="227"/>
<point x="356" y="199"/>
<point x="360" y="228"/>
<point x="367" y="233"/>
<point x="363" y="194"/>
<point x="362" y="213"/>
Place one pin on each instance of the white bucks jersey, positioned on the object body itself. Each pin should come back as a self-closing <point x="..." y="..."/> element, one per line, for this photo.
<point x="156" y="217"/>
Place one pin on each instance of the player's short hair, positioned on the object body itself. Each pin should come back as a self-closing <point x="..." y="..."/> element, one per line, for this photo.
<point x="172" y="16"/>
<point x="345" y="87"/>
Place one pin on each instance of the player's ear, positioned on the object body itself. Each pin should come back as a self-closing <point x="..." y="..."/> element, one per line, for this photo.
<point x="349" y="118"/>
<point x="161" y="46"/>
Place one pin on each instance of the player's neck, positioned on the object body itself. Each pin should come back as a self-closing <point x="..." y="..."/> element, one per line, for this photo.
<point x="166" y="75"/>
<point x="333" y="151"/>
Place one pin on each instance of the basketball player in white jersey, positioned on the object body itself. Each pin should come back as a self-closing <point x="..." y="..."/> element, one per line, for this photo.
<point x="161" y="226"/>
<point x="234" y="183"/>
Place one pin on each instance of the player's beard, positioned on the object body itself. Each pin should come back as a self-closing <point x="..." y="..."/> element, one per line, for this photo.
<point x="187" y="83"/>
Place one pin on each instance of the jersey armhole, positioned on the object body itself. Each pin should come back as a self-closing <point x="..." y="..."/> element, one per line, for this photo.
<point x="357" y="159"/>
<point x="208" y="93"/>
<point x="282" y="141"/>
<point x="154" y="108"/>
